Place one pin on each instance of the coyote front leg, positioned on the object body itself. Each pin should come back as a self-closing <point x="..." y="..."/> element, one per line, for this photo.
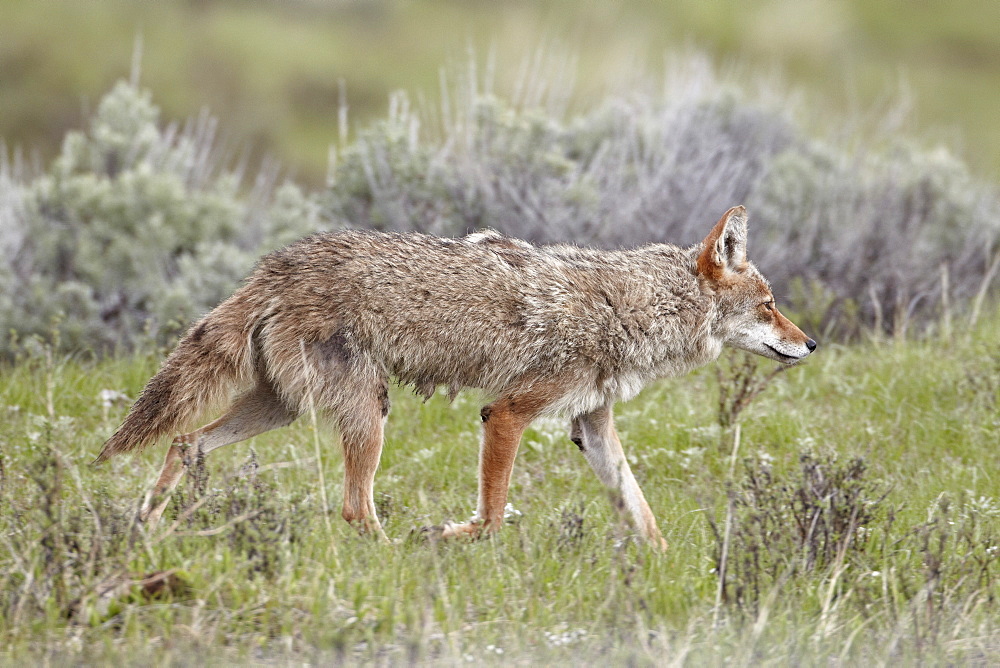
<point x="503" y="423"/>
<point x="595" y="434"/>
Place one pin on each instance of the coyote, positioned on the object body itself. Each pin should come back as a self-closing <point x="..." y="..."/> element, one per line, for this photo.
<point x="328" y="321"/>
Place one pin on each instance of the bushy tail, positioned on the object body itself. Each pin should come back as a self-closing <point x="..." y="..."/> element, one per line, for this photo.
<point x="213" y="357"/>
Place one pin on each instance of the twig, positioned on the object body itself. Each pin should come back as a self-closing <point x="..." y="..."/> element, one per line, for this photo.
<point x="721" y="589"/>
<point x="284" y="465"/>
<point x="984" y="286"/>
<point x="319" y="460"/>
<point x="945" y="302"/>
<point x="219" y="529"/>
<point x="188" y="512"/>
<point x="736" y="449"/>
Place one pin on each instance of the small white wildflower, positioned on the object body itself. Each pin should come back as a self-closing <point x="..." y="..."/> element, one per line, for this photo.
<point x="109" y="398"/>
<point x="984" y="505"/>
<point x="551" y="428"/>
<point x="875" y="574"/>
<point x="691" y="456"/>
<point x="564" y="638"/>
<point x="510" y="511"/>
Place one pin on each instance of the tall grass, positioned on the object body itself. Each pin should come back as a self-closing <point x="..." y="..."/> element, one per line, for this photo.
<point x="861" y="524"/>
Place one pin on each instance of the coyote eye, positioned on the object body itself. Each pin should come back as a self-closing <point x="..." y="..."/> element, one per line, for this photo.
<point x="769" y="305"/>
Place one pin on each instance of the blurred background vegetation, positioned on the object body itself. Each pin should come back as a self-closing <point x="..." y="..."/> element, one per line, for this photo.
<point x="271" y="69"/>
<point x="862" y="136"/>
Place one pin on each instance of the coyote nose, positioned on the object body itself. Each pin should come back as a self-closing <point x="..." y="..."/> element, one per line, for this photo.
<point x="811" y="345"/>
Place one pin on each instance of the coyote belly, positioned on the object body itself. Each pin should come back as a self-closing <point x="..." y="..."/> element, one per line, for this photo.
<point x="327" y="322"/>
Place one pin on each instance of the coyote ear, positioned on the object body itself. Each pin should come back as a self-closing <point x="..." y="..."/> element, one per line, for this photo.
<point x="725" y="247"/>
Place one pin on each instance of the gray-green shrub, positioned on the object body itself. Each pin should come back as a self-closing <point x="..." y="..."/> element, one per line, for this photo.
<point x="134" y="230"/>
<point x="854" y="235"/>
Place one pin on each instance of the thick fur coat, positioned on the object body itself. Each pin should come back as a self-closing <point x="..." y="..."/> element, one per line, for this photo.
<point x="329" y="321"/>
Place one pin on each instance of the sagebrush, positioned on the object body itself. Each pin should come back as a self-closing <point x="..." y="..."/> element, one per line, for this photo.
<point x="137" y="227"/>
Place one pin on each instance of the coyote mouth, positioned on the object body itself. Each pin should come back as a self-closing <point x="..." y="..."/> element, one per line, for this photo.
<point x="782" y="357"/>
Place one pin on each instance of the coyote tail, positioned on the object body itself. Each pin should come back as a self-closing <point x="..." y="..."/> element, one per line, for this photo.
<point x="214" y="356"/>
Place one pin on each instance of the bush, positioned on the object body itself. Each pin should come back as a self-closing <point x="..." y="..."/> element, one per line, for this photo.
<point x="133" y="231"/>
<point x="850" y="236"/>
<point x="780" y="527"/>
<point x="137" y="228"/>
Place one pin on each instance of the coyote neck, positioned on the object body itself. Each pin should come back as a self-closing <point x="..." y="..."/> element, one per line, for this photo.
<point x="663" y="329"/>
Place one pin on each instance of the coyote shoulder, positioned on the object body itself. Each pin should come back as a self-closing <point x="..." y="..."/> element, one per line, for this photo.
<point x="327" y="322"/>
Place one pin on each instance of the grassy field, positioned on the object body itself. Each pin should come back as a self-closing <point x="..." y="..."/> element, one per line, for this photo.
<point x="858" y="521"/>
<point x="844" y="511"/>
<point x="273" y="70"/>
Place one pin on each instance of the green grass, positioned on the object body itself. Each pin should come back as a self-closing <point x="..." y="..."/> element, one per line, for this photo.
<point x="275" y="576"/>
<point x="271" y="69"/>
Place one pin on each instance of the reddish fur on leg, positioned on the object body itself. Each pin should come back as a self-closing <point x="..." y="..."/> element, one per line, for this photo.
<point x="503" y="423"/>
<point x="501" y="438"/>
<point x="174" y="467"/>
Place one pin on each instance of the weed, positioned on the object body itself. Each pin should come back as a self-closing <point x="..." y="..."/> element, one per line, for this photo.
<point x="779" y="527"/>
<point x="741" y="377"/>
<point x="570" y="527"/>
<point x="254" y="518"/>
<point x="981" y="382"/>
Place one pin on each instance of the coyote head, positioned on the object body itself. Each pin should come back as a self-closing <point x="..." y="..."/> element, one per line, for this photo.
<point x="746" y="316"/>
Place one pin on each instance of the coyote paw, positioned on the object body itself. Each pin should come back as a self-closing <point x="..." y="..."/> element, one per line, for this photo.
<point x="451" y="531"/>
<point x="464" y="530"/>
<point x="369" y="528"/>
<point x="151" y="510"/>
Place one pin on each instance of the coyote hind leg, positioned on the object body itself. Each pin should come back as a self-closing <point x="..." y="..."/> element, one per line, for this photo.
<point x="255" y="412"/>
<point x="362" y="428"/>
<point x="155" y="501"/>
